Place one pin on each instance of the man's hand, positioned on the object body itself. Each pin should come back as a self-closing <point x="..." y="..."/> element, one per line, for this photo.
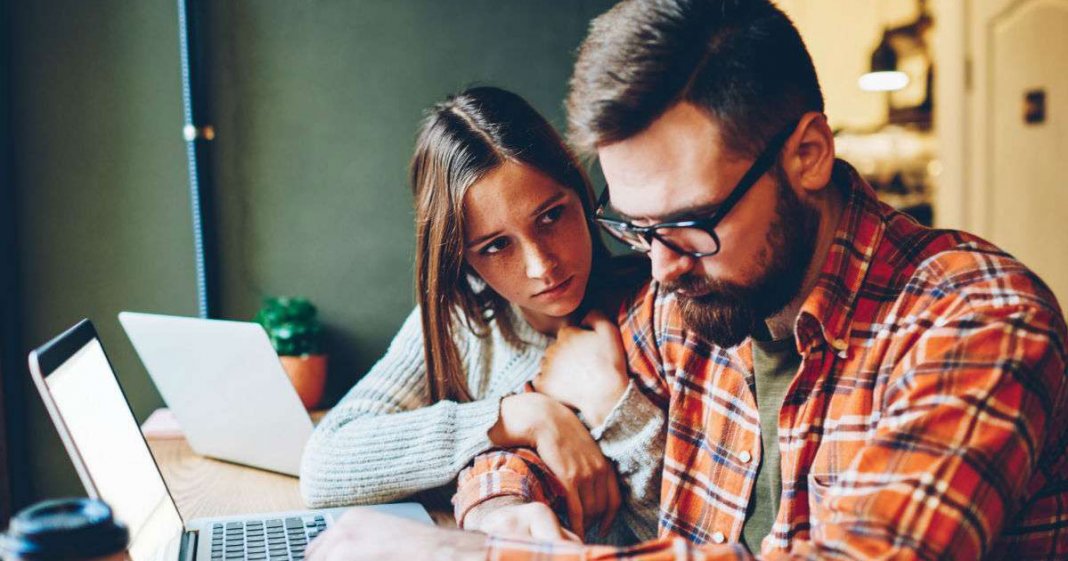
<point x="363" y="534"/>
<point x="537" y="421"/>
<point x="511" y="517"/>
<point x="585" y="368"/>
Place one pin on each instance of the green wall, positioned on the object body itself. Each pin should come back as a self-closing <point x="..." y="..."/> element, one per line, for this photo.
<point x="99" y="173"/>
<point x="315" y="105"/>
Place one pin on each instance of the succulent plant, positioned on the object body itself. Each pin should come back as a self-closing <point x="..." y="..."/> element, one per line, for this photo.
<point x="291" y="325"/>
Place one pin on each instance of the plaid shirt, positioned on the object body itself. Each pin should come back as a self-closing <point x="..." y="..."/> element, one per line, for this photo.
<point x="927" y="420"/>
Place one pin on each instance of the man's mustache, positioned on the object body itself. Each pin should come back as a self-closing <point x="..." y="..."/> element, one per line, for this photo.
<point x="689" y="284"/>
<point x="696" y="287"/>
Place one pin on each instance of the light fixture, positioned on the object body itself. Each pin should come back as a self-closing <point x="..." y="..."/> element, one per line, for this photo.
<point x="884" y="75"/>
<point x="883" y="81"/>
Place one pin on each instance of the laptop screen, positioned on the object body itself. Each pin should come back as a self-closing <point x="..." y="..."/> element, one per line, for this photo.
<point x="113" y="452"/>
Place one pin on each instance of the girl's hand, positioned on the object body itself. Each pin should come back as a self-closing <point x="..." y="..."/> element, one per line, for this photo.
<point x="586" y="368"/>
<point x="561" y="440"/>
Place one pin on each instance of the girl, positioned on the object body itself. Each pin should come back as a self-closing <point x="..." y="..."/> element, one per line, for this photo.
<point x="505" y="257"/>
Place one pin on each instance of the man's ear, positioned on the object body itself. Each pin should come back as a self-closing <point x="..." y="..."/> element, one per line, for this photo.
<point x="808" y="157"/>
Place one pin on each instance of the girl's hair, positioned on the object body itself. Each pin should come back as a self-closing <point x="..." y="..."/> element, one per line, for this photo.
<point x="460" y="141"/>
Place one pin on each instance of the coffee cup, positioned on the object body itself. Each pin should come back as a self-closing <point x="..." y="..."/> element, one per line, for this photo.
<point x="77" y="529"/>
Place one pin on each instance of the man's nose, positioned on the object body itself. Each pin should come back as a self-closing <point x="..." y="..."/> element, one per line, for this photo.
<point x="667" y="264"/>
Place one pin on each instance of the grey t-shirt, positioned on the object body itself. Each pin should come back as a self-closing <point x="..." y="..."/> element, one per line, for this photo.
<point x="774" y="365"/>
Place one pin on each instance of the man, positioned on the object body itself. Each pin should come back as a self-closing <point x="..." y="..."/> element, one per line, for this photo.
<point x="843" y="383"/>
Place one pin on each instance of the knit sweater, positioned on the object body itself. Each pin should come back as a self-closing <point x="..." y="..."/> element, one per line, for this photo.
<point x="385" y="440"/>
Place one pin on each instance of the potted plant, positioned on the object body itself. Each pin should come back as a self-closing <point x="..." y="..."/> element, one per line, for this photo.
<point x="294" y="331"/>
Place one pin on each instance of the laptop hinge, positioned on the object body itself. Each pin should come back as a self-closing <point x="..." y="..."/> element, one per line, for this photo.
<point x="188" y="550"/>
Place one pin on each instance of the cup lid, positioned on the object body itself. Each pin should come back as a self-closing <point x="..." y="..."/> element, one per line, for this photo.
<point x="65" y="528"/>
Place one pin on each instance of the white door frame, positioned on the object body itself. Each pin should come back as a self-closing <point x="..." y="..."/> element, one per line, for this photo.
<point x="951" y="122"/>
<point x="963" y="42"/>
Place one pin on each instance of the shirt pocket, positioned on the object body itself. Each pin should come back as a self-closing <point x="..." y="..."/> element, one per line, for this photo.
<point x="820" y="501"/>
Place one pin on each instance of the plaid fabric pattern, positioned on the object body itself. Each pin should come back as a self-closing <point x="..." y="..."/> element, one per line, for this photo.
<point x="927" y="420"/>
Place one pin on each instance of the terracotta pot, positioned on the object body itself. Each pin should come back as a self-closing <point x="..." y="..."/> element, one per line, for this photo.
<point x="308" y="375"/>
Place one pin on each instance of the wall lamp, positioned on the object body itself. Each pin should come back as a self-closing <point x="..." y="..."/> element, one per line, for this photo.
<point x="885" y="75"/>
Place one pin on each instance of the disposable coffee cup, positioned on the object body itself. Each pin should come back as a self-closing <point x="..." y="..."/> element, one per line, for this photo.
<point x="77" y="529"/>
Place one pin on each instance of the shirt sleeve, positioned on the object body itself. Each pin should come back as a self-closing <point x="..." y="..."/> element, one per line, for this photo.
<point x="517" y="472"/>
<point x="385" y="441"/>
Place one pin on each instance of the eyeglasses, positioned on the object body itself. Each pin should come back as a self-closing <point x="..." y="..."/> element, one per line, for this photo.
<point x="693" y="237"/>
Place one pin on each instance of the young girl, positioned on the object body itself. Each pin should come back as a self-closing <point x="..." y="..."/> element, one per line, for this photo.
<point x="505" y="257"/>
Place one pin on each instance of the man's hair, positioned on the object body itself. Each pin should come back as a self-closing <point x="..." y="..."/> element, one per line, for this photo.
<point x="743" y="61"/>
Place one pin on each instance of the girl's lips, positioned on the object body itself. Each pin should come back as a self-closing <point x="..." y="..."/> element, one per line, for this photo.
<point x="557" y="289"/>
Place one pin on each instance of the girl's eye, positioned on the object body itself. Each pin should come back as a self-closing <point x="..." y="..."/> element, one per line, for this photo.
<point x="495" y="246"/>
<point x="553" y="214"/>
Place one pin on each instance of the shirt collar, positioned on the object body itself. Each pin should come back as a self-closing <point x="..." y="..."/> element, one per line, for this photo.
<point x="827" y="312"/>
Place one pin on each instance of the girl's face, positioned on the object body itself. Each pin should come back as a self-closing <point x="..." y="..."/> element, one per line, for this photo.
<point x="526" y="236"/>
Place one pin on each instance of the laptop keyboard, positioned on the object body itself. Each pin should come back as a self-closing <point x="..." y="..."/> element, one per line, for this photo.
<point x="265" y="540"/>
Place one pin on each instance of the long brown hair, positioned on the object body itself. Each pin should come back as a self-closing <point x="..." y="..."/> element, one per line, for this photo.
<point x="460" y="141"/>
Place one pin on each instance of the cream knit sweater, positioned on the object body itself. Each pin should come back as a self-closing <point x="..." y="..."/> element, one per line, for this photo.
<point x="385" y="441"/>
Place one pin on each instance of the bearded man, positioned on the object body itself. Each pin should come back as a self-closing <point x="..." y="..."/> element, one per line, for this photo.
<point x="841" y="382"/>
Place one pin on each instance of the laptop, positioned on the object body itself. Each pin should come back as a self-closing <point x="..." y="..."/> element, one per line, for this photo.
<point x="98" y="429"/>
<point x="225" y="385"/>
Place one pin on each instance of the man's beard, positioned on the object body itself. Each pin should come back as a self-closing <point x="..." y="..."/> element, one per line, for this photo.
<point x="725" y="313"/>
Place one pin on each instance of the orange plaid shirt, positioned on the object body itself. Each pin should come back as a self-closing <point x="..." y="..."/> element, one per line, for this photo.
<point x="927" y="420"/>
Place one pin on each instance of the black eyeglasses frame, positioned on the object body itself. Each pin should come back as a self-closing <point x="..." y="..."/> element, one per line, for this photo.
<point x="646" y="233"/>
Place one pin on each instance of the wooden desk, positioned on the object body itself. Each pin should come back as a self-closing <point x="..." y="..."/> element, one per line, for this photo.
<point x="205" y="487"/>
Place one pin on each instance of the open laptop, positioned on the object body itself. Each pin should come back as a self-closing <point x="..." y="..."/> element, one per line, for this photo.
<point x="98" y="429"/>
<point x="225" y="385"/>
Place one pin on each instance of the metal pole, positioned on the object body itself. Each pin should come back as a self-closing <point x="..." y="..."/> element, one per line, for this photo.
<point x="197" y="140"/>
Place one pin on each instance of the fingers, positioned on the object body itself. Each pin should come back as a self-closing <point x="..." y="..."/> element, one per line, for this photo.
<point x="314" y="548"/>
<point x="590" y="507"/>
<point x="596" y="508"/>
<point x="601" y="498"/>
<point x="592" y="318"/>
<point x="606" y="329"/>
<point x="530" y="520"/>
<point x="545" y="526"/>
<point x="505" y="525"/>
<point x="538" y="383"/>
<point x="614" y="500"/>
<point x="319" y="548"/>
<point x="600" y="323"/>
<point x="565" y="333"/>
<point x="574" y="510"/>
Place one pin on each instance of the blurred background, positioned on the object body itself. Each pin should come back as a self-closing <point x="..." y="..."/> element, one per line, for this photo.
<point x="954" y="109"/>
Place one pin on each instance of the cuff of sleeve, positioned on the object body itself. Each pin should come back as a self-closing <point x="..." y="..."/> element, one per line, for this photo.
<point x="488" y="486"/>
<point x="630" y="413"/>
<point x="633" y="430"/>
<point x="472" y="435"/>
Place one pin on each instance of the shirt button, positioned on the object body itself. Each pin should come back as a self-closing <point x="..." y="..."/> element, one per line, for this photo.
<point x="718" y="537"/>
<point x="745" y="456"/>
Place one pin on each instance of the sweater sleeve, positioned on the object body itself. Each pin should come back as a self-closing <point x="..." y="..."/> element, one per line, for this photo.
<point x="633" y="437"/>
<point x="634" y="433"/>
<point x="384" y="440"/>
